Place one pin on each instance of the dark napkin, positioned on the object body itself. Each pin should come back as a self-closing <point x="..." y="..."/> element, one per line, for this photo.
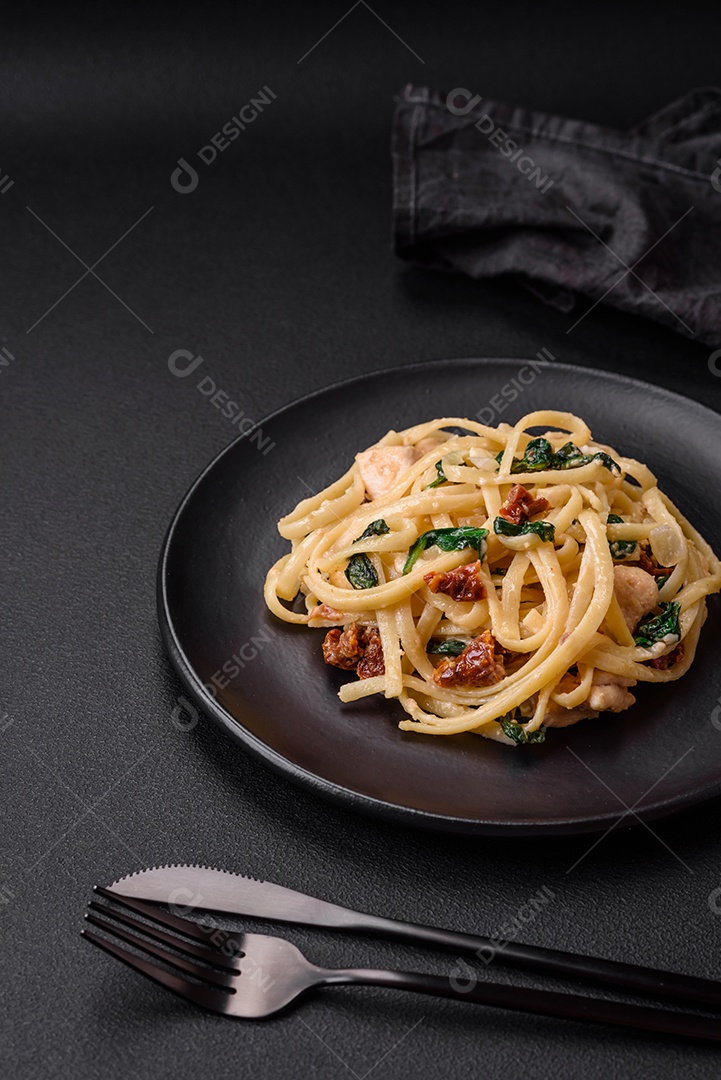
<point x="631" y="219"/>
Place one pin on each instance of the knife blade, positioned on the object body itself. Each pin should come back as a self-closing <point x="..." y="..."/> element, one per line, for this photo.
<point x="210" y="889"/>
<point x="187" y="888"/>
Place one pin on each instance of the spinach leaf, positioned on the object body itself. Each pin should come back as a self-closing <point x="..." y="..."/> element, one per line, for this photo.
<point x="442" y="478"/>
<point x="606" y="460"/>
<point x="376" y="528"/>
<point x="447" y="540"/>
<point x="620" y="549"/>
<point x="544" y="529"/>
<point x="513" y="730"/>
<point x="361" y="572"/>
<point x="662" y="579"/>
<point x="539" y="455"/>
<point x="658" y="627"/>
<point x="570" y="457"/>
<point x="446" y="647"/>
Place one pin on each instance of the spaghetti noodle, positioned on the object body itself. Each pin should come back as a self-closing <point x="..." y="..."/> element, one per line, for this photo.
<point x="496" y="581"/>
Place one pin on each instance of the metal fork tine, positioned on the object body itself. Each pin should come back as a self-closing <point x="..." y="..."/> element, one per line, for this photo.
<point x="198" y="952"/>
<point x="209" y="999"/>
<point x="157" y="914"/>
<point x="180" y="962"/>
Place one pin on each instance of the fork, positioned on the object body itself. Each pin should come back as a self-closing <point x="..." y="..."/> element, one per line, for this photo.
<point x="252" y="976"/>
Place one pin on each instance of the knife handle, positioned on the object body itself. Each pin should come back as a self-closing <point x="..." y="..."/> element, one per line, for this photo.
<point x="612" y="973"/>
<point x="544" y="1002"/>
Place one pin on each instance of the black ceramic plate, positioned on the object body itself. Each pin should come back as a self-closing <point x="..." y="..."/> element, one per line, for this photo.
<point x="281" y="704"/>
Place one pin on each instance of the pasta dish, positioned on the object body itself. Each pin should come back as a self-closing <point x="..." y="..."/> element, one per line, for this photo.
<point x="500" y="581"/>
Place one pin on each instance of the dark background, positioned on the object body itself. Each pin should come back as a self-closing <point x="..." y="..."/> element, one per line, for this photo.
<point x="277" y="269"/>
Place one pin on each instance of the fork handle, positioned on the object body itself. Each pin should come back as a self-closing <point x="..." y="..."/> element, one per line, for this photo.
<point x="630" y="978"/>
<point x="543" y="1002"/>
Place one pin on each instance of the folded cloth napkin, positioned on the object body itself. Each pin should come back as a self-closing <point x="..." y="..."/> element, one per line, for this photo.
<point x="631" y="219"/>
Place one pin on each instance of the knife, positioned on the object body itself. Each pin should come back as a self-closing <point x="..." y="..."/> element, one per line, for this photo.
<point x="186" y="888"/>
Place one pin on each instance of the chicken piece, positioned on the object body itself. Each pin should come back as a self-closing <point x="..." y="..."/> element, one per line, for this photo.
<point x="636" y="592"/>
<point x="520" y="505"/>
<point x="355" y="648"/>
<point x="382" y="466"/>
<point x="557" y="716"/>
<point x="609" y="692"/>
<point x="463" y="583"/>
<point x="431" y="442"/>
<point x="480" y="664"/>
